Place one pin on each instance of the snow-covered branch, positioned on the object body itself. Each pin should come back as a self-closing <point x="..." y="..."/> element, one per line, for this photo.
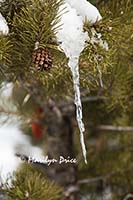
<point x="3" y="25"/>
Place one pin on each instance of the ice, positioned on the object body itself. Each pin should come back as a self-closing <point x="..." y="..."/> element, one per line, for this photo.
<point x="96" y="39"/>
<point x="72" y="38"/>
<point x="72" y="41"/>
<point x="73" y="64"/>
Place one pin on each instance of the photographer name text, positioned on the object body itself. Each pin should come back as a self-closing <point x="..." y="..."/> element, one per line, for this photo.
<point x="48" y="161"/>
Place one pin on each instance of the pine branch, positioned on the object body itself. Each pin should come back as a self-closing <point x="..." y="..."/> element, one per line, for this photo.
<point x="5" y="50"/>
<point x="37" y="21"/>
<point x="9" y="8"/>
<point x="28" y="183"/>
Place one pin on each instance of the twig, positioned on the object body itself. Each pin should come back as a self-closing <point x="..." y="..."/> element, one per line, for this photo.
<point x="99" y="72"/>
<point x="128" y="196"/>
<point x="115" y="128"/>
<point x="90" y="99"/>
<point x="93" y="98"/>
<point x="83" y="99"/>
<point x="101" y="178"/>
<point x="121" y="148"/>
<point x="9" y="112"/>
<point x="91" y="180"/>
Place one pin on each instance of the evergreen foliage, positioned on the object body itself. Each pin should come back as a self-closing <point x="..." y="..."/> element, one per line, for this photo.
<point x="5" y="49"/>
<point x="34" y="24"/>
<point x="9" y="8"/>
<point x="31" y="184"/>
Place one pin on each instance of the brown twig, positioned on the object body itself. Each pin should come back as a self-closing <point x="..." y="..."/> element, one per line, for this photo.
<point x="101" y="178"/>
<point x="115" y="128"/>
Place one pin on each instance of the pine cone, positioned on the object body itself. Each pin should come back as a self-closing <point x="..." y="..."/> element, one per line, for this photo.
<point x="42" y="59"/>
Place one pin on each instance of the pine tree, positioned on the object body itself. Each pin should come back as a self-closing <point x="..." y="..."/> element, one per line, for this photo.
<point x="106" y="93"/>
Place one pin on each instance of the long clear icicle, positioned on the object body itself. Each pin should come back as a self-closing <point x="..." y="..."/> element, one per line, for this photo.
<point x="73" y="64"/>
<point x="72" y="40"/>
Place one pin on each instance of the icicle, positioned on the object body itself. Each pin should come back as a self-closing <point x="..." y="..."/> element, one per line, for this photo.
<point x="73" y="64"/>
<point x="72" y="40"/>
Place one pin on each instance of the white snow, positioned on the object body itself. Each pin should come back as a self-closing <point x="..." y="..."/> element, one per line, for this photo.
<point x="86" y="10"/>
<point x="3" y="26"/>
<point x="72" y="38"/>
<point x="71" y="35"/>
<point x="96" y="38"/>
<point x="72" y="41"/>
<point x="13" y="141"/>
<point x="6" y="90"/>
